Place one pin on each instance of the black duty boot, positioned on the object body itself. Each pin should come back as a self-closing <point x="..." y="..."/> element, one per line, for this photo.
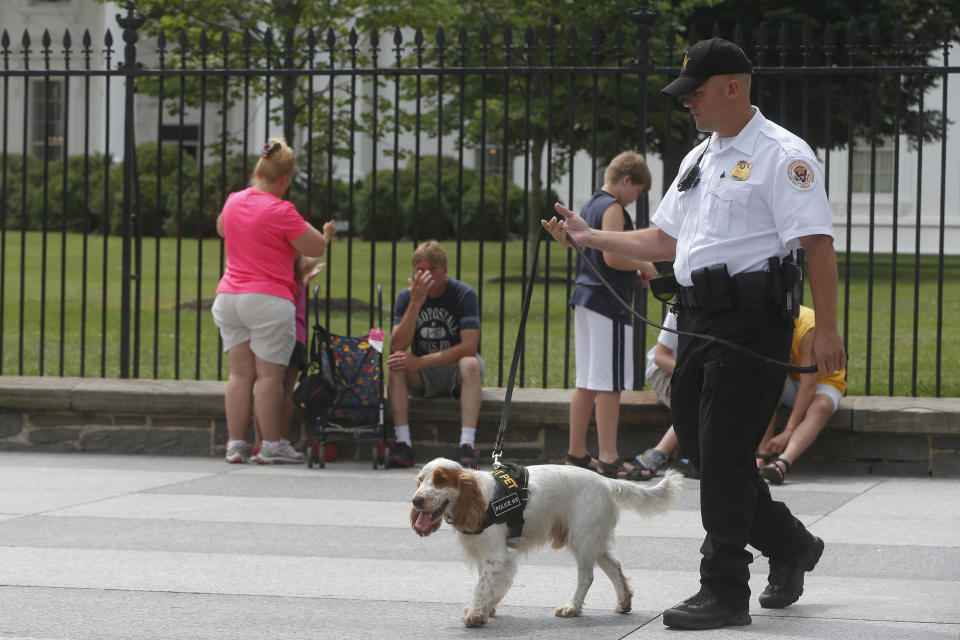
<point x="785" y="584"/>
<point x="705" y="611"/>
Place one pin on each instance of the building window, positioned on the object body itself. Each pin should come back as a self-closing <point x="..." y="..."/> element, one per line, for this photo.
<point x="492" y="158"/>
<point x="883" y="169"/>
<point x="46" y="111"/>
<point x="188" y="133"/>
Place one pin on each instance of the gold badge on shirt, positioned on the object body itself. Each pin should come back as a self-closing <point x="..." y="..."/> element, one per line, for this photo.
<point x="742" y="170"/>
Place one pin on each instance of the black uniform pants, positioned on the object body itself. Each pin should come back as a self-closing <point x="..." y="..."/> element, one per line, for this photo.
<point x="721" y="403"/>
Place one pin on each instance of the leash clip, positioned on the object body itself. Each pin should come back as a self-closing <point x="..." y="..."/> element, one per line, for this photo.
<point x="496" y="459"/>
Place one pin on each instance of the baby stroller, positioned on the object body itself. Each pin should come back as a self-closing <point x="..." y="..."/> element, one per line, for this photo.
<point x="343" y="383"/>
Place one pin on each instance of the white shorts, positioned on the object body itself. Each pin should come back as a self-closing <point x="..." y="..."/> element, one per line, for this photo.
<point x="789" y="394"/>
<point x="267" y="322"/>
<point x="604" y="349"/>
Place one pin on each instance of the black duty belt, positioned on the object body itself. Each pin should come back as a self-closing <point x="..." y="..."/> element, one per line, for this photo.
<point x="753" y="290"/>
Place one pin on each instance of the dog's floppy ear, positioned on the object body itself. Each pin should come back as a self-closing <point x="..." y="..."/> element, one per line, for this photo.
<point x="414" y="514"/>
<point x="471" y="505"/>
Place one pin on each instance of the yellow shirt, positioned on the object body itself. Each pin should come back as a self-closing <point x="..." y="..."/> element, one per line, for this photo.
<point x="805" y="323"/>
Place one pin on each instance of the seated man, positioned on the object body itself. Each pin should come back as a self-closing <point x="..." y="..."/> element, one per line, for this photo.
<point x="436" y="333"/>
<point x="813" y="398"/>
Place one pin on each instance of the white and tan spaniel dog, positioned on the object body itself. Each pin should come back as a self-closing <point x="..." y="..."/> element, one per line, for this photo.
<point x="568" y="507"/>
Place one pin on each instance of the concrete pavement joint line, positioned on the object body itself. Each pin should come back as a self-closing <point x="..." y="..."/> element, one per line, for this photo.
<point x="53" y="511"/>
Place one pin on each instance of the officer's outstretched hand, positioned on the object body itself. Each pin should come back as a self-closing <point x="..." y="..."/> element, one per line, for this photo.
<point x="574" y="225"/>
<point x="828" y="351"/>
<point x="555" y="228"/>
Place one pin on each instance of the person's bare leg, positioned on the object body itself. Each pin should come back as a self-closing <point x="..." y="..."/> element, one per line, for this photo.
<point x="471" y="391"/>
<point x="399" y="396"/>
<point x="608" y="419"/>
<point x="238" y="398"/>
<point x="668" y="442"/>
<point x="286" y="416"/>
<point x="581" y="408"/>
<point x="819" y="411"/>
<point x="269" y="398"/>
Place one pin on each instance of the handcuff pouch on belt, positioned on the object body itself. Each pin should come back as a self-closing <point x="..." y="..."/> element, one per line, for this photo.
<point x="711" y="285"/>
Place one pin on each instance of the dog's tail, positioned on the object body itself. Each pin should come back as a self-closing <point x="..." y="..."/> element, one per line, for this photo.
<point x="648" y="500"/>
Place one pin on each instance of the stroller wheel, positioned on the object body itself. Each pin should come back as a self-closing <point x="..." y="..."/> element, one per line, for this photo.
<point x="330" y="452"/>
<point x="382" y="454"/>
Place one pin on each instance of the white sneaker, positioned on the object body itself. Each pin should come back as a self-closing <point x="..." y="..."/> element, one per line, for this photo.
<point x="282" y="453"/>
<point x="237" y="451"/>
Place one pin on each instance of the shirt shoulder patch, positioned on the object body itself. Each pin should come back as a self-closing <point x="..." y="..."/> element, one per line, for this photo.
<point x="800" y="175"/>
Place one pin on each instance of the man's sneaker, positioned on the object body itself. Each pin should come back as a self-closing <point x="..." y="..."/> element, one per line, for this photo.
<point x="468" y="457"/>
<point x="282" y="453"/>
<point x="401" y="455"/>
<point x="237" y="451"/>
<point x="652" y="460"/>
<point x="785" y="583"/>
<point x="705" y="611"/>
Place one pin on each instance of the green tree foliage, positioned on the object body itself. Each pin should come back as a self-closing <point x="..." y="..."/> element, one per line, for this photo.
<point x="90" y="185"/>
<point x="446" y="213"/>
<point x="254" y="34"/>
<point x="840" y="32"/>
<point x="171" y="200"/>
<point x="517" y="34"/>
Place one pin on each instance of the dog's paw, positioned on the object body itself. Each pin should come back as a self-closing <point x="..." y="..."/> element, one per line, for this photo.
<point x="567" y="611"/>
<point x="624" y="605"/>
<point x="474" y="617"/>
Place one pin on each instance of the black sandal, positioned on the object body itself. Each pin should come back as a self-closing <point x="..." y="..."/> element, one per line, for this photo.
<point x="582" y="462"/>
<point x="618" y="471"/>
<point x="773" y="474"/>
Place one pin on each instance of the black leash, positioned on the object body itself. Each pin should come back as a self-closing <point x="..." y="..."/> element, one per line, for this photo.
<point x="505" y="411"/>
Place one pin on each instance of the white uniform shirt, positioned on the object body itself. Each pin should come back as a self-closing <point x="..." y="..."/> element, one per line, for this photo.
<point x="667" y="339"/>
<point x="758" y="193"/>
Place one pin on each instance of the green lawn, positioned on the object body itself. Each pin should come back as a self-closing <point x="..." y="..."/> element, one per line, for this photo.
<point x="178" y="340"/>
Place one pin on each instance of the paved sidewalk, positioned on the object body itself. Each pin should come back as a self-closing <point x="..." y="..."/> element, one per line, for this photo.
<point x="104" y="546"/>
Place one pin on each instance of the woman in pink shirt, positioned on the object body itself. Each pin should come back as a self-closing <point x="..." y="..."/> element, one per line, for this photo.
<point x="255" y="304"/>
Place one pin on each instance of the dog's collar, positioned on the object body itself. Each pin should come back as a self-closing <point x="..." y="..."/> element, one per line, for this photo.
<point x="509" y="500"/>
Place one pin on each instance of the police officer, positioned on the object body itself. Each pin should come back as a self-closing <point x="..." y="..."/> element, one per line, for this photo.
<point x="743" y="201"/>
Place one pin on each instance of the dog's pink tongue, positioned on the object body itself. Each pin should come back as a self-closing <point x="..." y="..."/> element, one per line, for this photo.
<point x="423" y="521"/>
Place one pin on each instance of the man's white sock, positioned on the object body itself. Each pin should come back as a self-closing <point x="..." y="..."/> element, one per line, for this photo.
<point x="467" y="435"/>
<point x="402" y="433"/>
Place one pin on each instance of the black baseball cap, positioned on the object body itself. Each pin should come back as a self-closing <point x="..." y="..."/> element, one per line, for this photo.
<point x="712" y="57"/>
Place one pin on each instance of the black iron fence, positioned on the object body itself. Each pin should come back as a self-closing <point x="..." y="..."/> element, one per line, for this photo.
<point x="114" y="165"/>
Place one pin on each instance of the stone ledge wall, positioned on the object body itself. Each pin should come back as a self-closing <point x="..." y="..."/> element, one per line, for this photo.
<point x="882" y="435"/>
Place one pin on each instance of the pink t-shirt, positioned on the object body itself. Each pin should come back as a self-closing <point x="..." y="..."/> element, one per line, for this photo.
<point x="257" y="230"/>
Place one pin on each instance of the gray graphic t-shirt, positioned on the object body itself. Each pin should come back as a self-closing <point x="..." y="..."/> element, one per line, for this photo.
<point x="441" y="319"/>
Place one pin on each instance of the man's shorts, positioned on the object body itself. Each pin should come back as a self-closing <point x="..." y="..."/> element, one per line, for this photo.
<point x="789" y="394"/>
<point x="604" y="349"/>
<point x="659" y="381"/>
<point x="267" y="322"/>
<point x="443" y="380"/>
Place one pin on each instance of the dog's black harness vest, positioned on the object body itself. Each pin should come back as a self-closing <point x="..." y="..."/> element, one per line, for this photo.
<point x="509" y="501"/>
